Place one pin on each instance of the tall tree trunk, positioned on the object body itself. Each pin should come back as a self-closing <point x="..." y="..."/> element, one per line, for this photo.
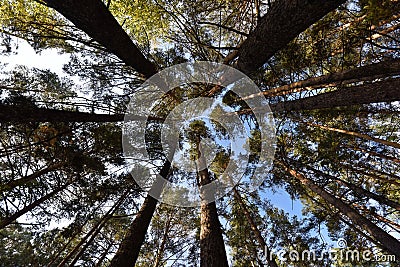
<point x="55" y="257"/>
<point x="268" y="255"/>
<point x="92" y="231"/>
<point x="283" y="22"/>
<point x="6" y="221"/>
<point x="373" y="153"/>
<point x="376" y="174"/>
<point x="161" y="249"/>
<point x="368" y="211"/>
<point x="94" y="18"/>
<point x="356" y="134"/>
<point x="212" y="247"/>
<point x="384" y="91"/>
<point x="129" y="248"/>
<point x="348" y="222"/>
<point x="31" y="177"/>
<point x="368" y="72"/>
<point x="361" y="191"/>
<point x="89" y="241"/>
<point x="104" y="255"/>
<point x="10" y="113"/>
<point x="390" y="243"/>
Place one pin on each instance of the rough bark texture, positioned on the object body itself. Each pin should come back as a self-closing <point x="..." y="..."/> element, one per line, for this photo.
<point x="385" y="91"/>
<point x="390" y="243"/>
<point x="283" y="22"/>
<point x="93" y="17"/>
<point x="129" y="248"/>
<point x="212" y="247"/>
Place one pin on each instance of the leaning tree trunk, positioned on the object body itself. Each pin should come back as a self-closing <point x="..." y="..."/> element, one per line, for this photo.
<point x="10" y="113"/>
<point x="94" y="18"/>
<point x="104" y="255"/>
<point x="356" y="134"/>
<point x="357" y="189"/>
<point x="373" y="153"/>
<point x="8" y="220"/>
<point x="375" y="174"/>
<point x="93" y="232"/>
<point x="268" y="254"/>
<point x="369" y="72"/>
<point x="129" y="248"/>
<point x="72" y="238"/>
<point x="284" y="20"/>
<point x="31" y="177"/>
<point x="161" y="249"/>
<point x="390" y="243"/>
<point x="384" y="91"/>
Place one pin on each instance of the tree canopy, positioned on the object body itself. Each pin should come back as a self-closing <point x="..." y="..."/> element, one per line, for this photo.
<point x="329" y="71"/>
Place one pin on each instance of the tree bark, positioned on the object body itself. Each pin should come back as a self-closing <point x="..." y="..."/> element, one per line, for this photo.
<point x="21" y="114"/>
<point x="368" y="72"/>
<point x="94" y="18"/>
<point x="373" y="153"/>
<point x="161" y="249"/>
<point x="359" y="190"/>
<point x="129" y="248"/>
<point x="388" y="222"/>
<point x="359" y="135"/>
<point x="390" y="243"/>
<point x="283" y="22"/>
<point x="212" y="247"/>
<point x="104" y="255"/>
<point x="89" y="241"/>
<point x="384" y="91"/>
<point x="55" y="257"/>
<point x="92" y="233"/>
<point x="375" y="175"/>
